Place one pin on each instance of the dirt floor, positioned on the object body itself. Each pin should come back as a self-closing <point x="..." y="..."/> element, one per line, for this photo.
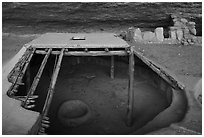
<point x="106" y="97"/>
<point x="184" y="61"/>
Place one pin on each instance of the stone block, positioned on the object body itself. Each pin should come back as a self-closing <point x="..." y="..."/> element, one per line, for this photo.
<point x="173" y="28"/>
<point x="179" y="34"/>
<point x="191" y="23"/>
<point x="192" y="31"/>
<point x="186" y="31"/>
<point x="159" y="32"/>
<point x="130" y="34"/>
<point x="173" y="34"/>
<point x="178" y="24"/>
<point x="184" y="20"/>
<point x="137" y="35"/>
<point x="148" y="36"/>
<point x="173" y="16"/>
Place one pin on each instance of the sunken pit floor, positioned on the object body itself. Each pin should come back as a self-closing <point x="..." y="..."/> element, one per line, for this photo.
<point x="89" y="81"/>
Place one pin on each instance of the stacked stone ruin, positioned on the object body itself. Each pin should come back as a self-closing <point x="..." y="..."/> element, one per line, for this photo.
<point x="137" y="35"/>
<point x="182" y="30"/>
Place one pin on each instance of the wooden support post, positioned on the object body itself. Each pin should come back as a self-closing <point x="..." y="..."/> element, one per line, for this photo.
<point x="28" y="78"/>
<point x="112" y="67"/>
<point x="51" y="92"/>
<point x="130" y="89"/>
<point x="37" y="78"/>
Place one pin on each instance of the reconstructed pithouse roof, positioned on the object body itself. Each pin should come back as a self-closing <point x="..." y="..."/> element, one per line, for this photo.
<point x="82" y="40"/>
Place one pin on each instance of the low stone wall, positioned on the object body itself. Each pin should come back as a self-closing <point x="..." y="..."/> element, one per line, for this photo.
<point x="182" y="31"/>
<point x="135" y="34"/>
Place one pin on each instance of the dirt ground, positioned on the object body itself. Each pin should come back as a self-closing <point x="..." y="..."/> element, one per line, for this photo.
<point x="184" y="61"/>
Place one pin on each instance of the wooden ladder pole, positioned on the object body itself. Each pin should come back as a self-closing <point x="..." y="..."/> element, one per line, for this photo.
<point x="112" y="68"/>
<point x="130" y="89"/>
<point x="51" y="92"/>
<point x="37" y="77"/>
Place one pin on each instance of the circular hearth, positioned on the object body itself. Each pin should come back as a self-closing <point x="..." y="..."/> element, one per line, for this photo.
<point x="73" y="113"/>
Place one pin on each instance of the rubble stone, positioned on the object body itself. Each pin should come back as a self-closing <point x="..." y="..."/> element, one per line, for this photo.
<point x="123" y="35"/>
<point x="186" y="33"/>
<point x="159" y="32"/>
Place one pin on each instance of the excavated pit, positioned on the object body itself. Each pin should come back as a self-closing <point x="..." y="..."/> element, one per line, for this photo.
<point x="88" y="79"/>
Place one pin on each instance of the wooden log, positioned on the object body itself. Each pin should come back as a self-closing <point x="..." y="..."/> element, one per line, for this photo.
<point x="28" y="78"/>
<point x="89" y="53"/>
<point x="130" y="89"/>
<point x="112" y="67"/>
<point x="37" y="77"/>
<point x="16" y="71"/>
<point x="52" y="86"/>
<point x="18" y="79"/>
<point x="74" y="46"/>
<point x="26" y="64"/>
<point x="26" y="67"/>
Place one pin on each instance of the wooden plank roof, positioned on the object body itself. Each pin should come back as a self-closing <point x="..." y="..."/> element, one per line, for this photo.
<point x="64" y="40"/>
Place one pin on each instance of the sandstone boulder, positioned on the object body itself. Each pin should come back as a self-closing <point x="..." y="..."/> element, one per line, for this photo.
<point x="159" y="32"/>
<point x="137" y="35"/>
